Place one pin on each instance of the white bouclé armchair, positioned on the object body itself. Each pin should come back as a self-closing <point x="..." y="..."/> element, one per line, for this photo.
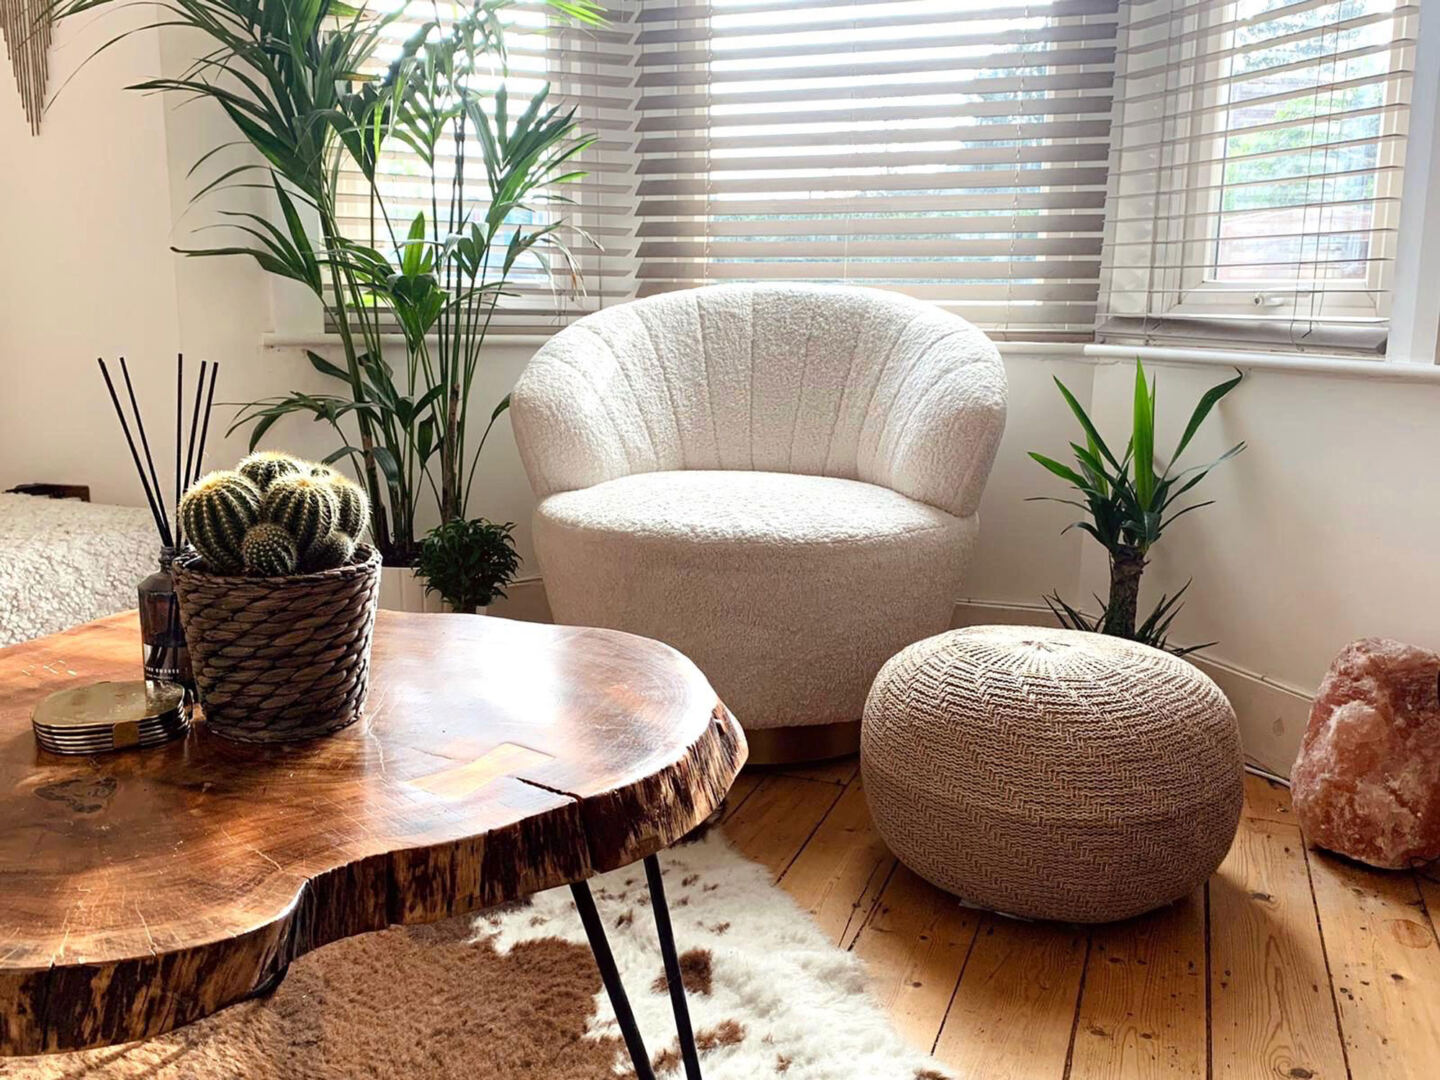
<point x="780" y="481"/>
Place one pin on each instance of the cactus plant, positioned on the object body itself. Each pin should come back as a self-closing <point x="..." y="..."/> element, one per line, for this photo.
<point x="305" y="506"/>
<point x="264" y="466"/>
<point x="269" y="550"/>
<point x="215" y="513"/>
<point x="335" y="550"/>
<point x="352" y="504"/>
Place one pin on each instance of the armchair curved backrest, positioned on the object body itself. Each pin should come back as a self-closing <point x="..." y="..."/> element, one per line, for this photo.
<point x="823" y="380"/>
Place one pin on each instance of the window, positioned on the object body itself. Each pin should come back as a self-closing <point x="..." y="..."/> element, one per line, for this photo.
<point x="1256" y="176"/>
<point x="589" y="69"/>
<point x="954" y="150"/>
<point x="1199" y="172"/>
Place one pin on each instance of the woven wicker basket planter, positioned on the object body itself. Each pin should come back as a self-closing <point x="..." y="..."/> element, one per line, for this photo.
<point x="280" y="659"/>
<point x="1052" y="774"/>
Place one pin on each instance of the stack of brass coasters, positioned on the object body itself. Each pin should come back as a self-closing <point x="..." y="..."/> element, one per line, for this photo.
<point x="111" y="716"/>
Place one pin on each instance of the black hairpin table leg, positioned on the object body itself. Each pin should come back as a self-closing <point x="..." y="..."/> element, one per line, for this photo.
<point x="610" y="975"/>
<point x="672" y="969"/>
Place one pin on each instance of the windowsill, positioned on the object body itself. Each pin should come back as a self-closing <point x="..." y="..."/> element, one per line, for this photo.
<point x="320" y="340"/>
<point x="1344" y="367"/>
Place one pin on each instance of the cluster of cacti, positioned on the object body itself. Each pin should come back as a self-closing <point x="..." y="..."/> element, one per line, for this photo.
<point x="304" y="505"/>
<point x="273" y="516"/>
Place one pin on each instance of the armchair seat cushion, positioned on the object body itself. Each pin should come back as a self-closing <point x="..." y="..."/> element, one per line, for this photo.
<point x="716" y="506"/>
<point x="789" y="590"/>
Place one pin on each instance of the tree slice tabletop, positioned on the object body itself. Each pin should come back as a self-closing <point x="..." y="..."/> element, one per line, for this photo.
<point x="143" y="889"/>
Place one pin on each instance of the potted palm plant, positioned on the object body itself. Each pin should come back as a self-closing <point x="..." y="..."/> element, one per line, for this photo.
<point x="301" y="83"/>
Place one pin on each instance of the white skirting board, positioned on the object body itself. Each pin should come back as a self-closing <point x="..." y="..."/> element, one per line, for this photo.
<point x="1272" y="715"/>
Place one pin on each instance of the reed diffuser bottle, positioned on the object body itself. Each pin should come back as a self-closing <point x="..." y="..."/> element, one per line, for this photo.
<point x="162" y="640"/>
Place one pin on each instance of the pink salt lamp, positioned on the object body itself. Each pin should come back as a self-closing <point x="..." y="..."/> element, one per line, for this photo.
<point x="1367" y="781"/>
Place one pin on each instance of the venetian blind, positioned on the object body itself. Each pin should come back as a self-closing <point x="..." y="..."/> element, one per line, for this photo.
<point x="589" y="68"/>
<point x="954" y="150"/>
<point x="1256" y="172"/>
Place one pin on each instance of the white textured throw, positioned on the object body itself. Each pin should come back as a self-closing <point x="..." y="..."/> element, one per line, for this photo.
<point x="64" y="562"/>
<point x="780" y="481"/>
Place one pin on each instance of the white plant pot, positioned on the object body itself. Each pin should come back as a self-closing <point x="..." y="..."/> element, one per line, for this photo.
<point x="402" y="590"/>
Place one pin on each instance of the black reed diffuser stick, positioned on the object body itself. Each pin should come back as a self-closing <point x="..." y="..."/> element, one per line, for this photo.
<point x="179" y="433"/>
<point x="194" y="455"/>
<point x="205" y="424"/>
<point x="160" y="526"/>
<point x="165" y="656"/>
<point x="194" y="427"/>
<point x="165" y="533"/>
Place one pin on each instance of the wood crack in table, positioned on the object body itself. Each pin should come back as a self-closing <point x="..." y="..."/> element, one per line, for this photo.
<point x="142" y="890"/>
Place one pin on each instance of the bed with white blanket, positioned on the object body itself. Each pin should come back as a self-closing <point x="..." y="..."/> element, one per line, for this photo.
<point x="65" y="562"/>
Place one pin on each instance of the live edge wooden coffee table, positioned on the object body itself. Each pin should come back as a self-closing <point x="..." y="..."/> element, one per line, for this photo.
<point x="144" y="889"/>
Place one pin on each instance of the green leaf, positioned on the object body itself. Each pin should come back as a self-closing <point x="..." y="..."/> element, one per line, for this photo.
<point x="1144" y="438"/>
<point x="258" y="431"/>
<point x="1202" y="409"/>
<point x="414" y="250"/>
<point x="1063" y="471"/>
<point x="388" y="465"/>
<point x="325" y="367"/>
<point x="1091" y="434"/>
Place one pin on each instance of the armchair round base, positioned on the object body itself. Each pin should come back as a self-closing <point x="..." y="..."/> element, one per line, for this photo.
<point x="813" y="742"/>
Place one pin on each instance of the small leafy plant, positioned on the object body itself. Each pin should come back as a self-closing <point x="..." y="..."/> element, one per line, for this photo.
<point x="1129" y="504"/>
<point x="469" y="563"/>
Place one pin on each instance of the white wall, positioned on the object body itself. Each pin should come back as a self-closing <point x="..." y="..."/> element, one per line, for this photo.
<point x="85" y="212"/>
<point x="1322" y="531"/>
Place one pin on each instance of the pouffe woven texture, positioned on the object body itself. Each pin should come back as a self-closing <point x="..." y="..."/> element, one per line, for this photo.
<point x="1052" y="774"/>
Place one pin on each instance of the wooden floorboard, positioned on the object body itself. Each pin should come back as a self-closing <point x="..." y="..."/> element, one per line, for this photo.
<point x="1272" y="1012"/>
<point x="1385" y="964"/>
<point x="1288" y="965"/>
<point x="914" y="945"/>
<point x="841" y="771"/>
<point x="778" y="818"/>
<point x="1142" y="1013"/>
<point x="744" y="786"/>
<point x="838" y="875"/>
<point x="1014" y="1011"/>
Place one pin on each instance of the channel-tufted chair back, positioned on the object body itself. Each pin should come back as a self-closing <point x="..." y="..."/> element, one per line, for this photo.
<point x="820" y="380"/>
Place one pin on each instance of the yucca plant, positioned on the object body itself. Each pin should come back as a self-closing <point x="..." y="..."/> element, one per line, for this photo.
<point x="1130" y="502"/>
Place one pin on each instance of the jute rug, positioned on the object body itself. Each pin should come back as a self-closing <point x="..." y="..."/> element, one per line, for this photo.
<point x="514" y="995"/>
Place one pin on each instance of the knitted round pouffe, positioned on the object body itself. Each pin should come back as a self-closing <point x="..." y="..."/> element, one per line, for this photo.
<point x="1052" y="774"/>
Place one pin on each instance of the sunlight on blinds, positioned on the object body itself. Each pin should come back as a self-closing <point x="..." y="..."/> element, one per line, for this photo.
<point x="589" y="69"/>
<point x="954" y="150"/>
